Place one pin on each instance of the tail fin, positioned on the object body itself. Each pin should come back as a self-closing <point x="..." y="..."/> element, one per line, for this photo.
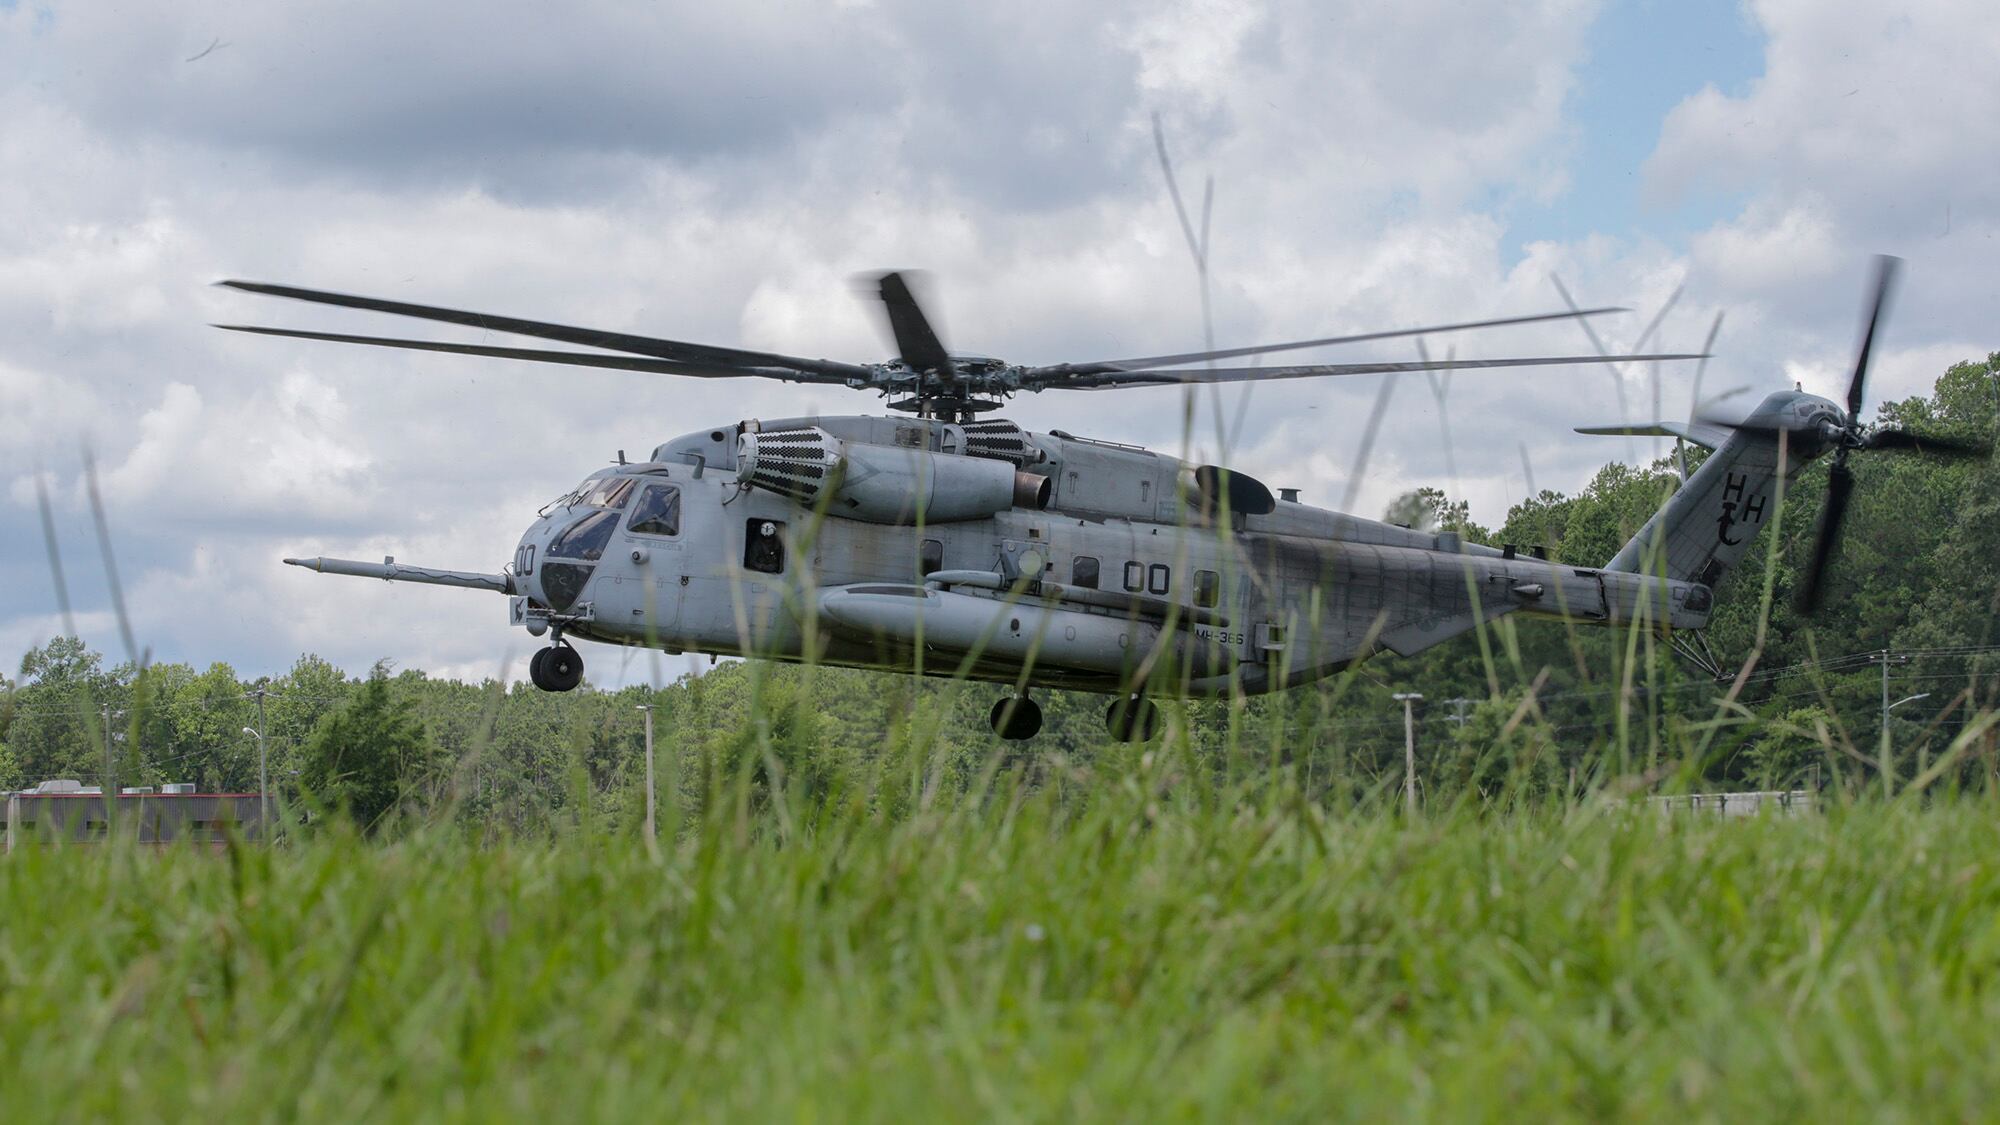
<point x="1708" y="525"/>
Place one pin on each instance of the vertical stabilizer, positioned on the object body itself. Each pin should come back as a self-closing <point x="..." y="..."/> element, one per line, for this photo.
<point x="1708" y="525"/>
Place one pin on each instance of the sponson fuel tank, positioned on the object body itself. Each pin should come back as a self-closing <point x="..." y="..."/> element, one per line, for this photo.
<point x="880" y="483"/>
<point x="994" y="628"/>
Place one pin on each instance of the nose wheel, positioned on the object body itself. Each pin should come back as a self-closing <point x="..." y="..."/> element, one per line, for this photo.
<point x="556" y="668"/>
<point x="1016" y="718"/>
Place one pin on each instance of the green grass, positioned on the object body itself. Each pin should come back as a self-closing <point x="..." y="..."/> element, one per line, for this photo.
<point x="1155" y="952"/>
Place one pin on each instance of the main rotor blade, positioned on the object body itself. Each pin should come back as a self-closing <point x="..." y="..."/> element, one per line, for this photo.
<point x="589" y="337"/>
<point x="538" y="355"/>
<point x="1092" y="382"/>
<point x="1597" y="345"/>
<point x="1694" y="394"/>
<point x="1100" y="366"/>
<point x="1943" y="445"/>
<point x="1839" y="488"/>
<point x="1885" y="283"/>
<point x="917" y="343"/>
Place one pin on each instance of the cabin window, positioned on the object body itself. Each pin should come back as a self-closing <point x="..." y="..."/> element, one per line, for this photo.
<point x="1083" y="572"/>
<point x="1135" y="577"/>
<point x="658" y="512"/>
<point x="930" y="556"/>
<point x="1207" y="588"/>
<point x="764" y="546"/>
<point x="586" y="538"/>
<point x="1157" y="577"/>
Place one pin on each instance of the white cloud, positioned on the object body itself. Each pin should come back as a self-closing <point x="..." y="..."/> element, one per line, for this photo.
<point x="284" y="454"/>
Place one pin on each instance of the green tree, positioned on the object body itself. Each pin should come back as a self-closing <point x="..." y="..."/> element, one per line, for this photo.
<point x="206" y="716"/>
<point x="57" y="725"/>
<point x="1790" y="749"/>
<point x="1504" y="744"/>
<point x="361" y="757"/>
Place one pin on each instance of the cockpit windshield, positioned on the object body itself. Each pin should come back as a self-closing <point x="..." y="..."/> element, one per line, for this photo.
<point x="597" y="492"/>
<point x="611" y="492"/>
<point x="585" y="538"/>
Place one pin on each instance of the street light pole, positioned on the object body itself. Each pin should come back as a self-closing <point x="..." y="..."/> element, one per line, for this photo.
<point x="651" y="834"/>
<point x="1888" y="765"/>
<point x="1409" y="700"/>
<point x="1923" y="758"/>
<point x="263" y="775"/>
<point x="263" y="786"/>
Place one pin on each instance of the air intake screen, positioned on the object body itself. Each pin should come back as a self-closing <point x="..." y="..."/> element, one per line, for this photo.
<point x="999" y="441"/>
<point x="791" y="463"/>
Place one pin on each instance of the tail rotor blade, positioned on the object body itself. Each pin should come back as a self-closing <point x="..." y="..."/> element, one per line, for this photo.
<point x="1886" y="269"/>
<point x="1941" y="445"/>
<point x="1839" y="489"/>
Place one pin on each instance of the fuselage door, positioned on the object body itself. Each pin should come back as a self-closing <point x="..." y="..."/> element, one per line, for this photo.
<point x="657" y="534"/>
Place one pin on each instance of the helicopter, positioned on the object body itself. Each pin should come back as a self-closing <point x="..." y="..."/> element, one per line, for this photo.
<point x="942" y="540"/>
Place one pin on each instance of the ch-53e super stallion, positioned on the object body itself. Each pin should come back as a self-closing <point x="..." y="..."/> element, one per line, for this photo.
<point x="967" y="546"/>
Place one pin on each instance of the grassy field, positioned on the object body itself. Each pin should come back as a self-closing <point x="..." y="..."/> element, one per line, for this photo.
<point x="1150" y="951"/>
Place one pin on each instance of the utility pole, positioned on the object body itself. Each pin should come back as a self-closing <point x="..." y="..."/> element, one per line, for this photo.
<point x="110" y="778"/>
<point x="1458" y="707"/>
<point x="1409" y="700"/>
<point x="1888" y="764"/>
<point x="652" y="836"/>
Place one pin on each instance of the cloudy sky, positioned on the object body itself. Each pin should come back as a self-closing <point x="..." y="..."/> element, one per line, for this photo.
<point x="720" y="173"/>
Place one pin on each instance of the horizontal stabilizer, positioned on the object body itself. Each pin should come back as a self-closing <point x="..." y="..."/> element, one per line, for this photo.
<point x="1704" y="434"/>
<point x="389" y="570"/>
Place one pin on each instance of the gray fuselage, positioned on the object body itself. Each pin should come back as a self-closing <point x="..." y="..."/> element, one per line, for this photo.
<point x="906" y="542"/>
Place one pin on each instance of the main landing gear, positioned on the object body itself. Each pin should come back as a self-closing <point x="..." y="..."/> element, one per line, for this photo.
<point x="1016" y="718"/>
<point x="1132" y="718"/>
<point x="556" y="668"/>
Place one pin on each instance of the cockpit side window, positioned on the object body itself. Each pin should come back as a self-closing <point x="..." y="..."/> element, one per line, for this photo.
<point x="586" y="538"/>
<point x="658" y="511"/>
<point x="612" y="492"/>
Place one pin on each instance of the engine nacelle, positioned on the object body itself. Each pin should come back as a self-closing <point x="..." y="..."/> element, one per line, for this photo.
<point x="881" y="483"/>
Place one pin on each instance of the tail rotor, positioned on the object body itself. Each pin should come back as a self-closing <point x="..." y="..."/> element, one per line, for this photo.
<point x="1850" y="436"/>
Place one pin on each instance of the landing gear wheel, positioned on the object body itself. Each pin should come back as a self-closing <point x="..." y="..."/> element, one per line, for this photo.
<point x="537" y="673"/>
<point x="1132" y="718"/>
<point x="1016" y="718"/>
<point x="562" y="668"/>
